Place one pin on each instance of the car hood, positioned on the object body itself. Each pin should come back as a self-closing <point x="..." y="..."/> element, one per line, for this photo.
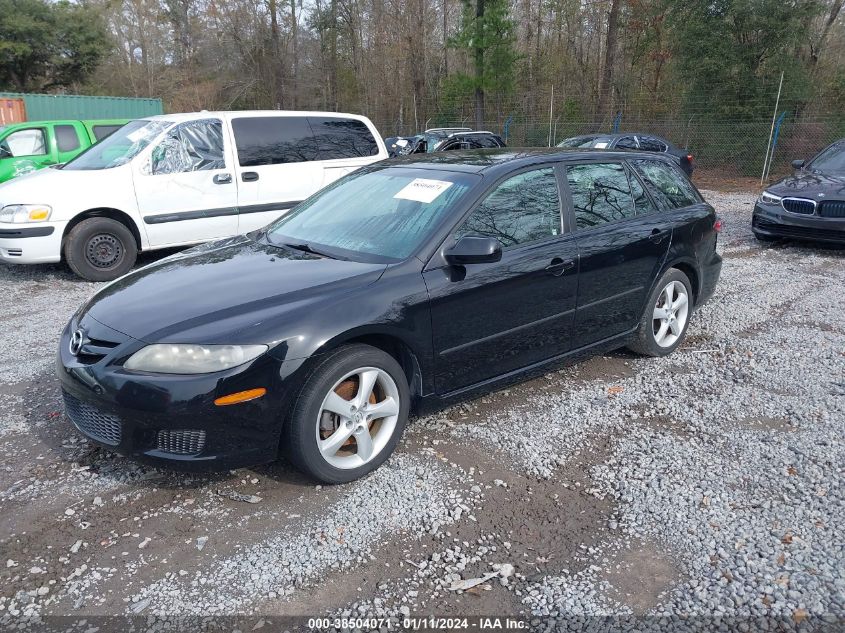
<point x="807" y="184"/>
<point x="232" y="291"/>
<point x="63" y="188"/>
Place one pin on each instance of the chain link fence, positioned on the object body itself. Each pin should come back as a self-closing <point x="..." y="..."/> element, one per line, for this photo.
<point x="723" y="148"/>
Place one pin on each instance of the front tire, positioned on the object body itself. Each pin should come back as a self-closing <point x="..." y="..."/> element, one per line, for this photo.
<point x="349" y="415"/>
<point x="100" y="249"/>
<point x="666" y="316"/>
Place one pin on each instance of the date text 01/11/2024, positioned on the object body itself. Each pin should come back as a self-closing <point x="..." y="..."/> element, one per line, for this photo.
<point x="424" y="623"/>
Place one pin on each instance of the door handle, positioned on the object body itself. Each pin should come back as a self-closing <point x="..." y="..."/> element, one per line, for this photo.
<point x="249" y="176"/>
<point x="222" y="179"/>
<point x="658" y="236"/>
<point x="558" y="266"/>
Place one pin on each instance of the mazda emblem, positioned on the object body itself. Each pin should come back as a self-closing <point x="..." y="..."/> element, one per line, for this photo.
<point x="77" y="340"/>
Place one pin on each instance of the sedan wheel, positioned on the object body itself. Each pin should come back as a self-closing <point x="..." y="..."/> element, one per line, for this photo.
<point x="357" y="417"/>
<point x="670" y="314"/>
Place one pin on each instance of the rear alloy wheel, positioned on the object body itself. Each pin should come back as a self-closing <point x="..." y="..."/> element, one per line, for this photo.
<point x="349" y="415"/>
<point x="666" y="316"/>
<point x="100" y="249"/>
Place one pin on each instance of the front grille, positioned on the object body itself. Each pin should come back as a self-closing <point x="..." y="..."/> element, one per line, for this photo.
<point x="185" y="442"/>
<point x="15" y="252"/>
<point x="832" y="209"/>
<point x="94" y="350"/>
<point x="103" y="427"/>
<point x="799" y="205"/>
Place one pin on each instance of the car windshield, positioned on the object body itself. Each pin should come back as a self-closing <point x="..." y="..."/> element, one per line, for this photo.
<point x="831" y="160"/>
<point x="382" y="215"/>
<point x="120" y="147"/>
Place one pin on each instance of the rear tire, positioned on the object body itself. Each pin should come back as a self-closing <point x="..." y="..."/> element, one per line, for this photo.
<point x="664" y="324"/>
<point x="100" y="249"/>
<point x="339" y="431"/>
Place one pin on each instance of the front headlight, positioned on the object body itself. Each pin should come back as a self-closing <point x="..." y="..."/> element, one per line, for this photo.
<point x="770" y="198"/>
<point x="172" y="358"/>
<point x="20" y="213"/>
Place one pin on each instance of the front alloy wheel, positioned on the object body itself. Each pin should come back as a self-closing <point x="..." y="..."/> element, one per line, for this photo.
<point x="349" y="414"/>
<point x="357" y="417"/>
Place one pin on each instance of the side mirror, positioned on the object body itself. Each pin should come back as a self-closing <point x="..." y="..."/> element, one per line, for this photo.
<point x="798" y="164"/>
<point x="472" y="249"/>
<point x="5" y="152"/>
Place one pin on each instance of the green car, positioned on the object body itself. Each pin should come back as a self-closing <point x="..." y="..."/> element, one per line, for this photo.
<point x="26" y="147"/>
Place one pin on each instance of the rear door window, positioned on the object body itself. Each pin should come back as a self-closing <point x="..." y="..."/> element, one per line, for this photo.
<point x="669" y="187"/>
<point x="342" y="138"/>
<point x="523" y="209"/>
<point x="600" y="194"/>
<point x="67" y="140"/>
<point x="273" y="140"/>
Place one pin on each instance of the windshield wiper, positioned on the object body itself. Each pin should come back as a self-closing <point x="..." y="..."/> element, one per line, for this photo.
<point x="307" y="248"/>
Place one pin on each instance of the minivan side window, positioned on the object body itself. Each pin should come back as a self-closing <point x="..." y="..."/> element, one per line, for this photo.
<point x="600" y="193"/>
<point x="67" y="139"/>
<point x="669" y="187"/>
<point x="28" y="142"/>
<point x="192" y="146"/>
<point x="342" y="138"/>
<point x="522" y="209"/>
<point x="273" y="140"/>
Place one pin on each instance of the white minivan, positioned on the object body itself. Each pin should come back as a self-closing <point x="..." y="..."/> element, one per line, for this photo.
<point x="176" y="180"/>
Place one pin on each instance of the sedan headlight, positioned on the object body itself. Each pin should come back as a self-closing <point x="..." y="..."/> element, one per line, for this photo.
<point x="20" y="213"/>
<point x="770" y="198"/>
<point x="171" y="358"/>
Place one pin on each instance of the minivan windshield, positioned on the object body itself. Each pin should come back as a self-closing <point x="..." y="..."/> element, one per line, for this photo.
<point x="831" y="160"/>
<point x="120" y="147"/>
<point x="381" y="215"/>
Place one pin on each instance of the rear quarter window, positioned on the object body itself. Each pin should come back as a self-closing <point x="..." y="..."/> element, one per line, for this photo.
<point x="273" y="140"/>
<point x="342" y="138"/>
<point x="667" y="184"/>
<point x="103" y="131"/>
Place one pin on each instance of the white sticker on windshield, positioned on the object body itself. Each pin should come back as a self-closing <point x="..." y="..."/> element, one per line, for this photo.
<point x="422" y="190"/>
<point x="401" y="142"/>
<point x="601" y="145"/>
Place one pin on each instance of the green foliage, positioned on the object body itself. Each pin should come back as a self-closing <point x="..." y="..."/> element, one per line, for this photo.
<point x="494" y="35"/>
<point x="730" y="53"/>
<point x="45" y="45"/>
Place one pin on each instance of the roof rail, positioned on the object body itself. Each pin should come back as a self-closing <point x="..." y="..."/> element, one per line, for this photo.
<point x="447" y="129"/>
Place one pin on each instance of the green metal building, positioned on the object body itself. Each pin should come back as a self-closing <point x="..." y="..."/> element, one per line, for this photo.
<point x="42" y="107"/>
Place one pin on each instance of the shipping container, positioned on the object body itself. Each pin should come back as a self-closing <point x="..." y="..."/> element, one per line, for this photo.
<point x="39" y="107"/>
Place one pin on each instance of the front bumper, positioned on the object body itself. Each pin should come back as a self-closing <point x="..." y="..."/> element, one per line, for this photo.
<point x="36" y="243"/>
<point x="774" y="221"/>
<point x="169" y="418"/>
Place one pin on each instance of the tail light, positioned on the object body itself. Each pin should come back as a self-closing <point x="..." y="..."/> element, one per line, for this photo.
<point x="717" y="225"/>
<point x="689" y="157"/>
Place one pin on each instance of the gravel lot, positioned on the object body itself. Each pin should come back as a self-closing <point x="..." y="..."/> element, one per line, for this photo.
<point x="700" y="490"/>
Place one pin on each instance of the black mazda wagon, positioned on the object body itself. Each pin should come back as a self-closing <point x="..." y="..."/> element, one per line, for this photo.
<point x="402" y="286"/>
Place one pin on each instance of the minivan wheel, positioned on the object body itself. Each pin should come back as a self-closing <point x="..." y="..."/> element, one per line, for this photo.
<point x="666" y="316"/>
<point x="100" y="249"/>
<point x="349" y="415"/>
